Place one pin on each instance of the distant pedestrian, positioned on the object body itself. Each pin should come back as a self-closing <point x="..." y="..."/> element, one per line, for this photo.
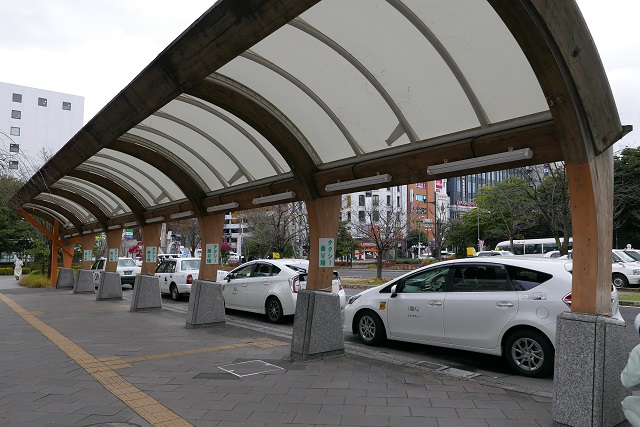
<point x="17" y="271"/>
<point x="630" y="378"/>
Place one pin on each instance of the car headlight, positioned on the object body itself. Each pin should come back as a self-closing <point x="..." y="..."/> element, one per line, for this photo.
<point x="353" y="298"/>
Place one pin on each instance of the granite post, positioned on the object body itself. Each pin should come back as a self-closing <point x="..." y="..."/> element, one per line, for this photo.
<point x="317" y="326"/>
<point x="591" y="351"/>
<point x="206" y="305"/>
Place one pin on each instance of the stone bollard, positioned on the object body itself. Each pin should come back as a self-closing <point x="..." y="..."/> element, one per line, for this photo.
<point x="84" y="282"/>
<point x="146" y="294"/>
<point x="110" y="286"/>
<point x="317" y="326"/>
<point x="65" y="278"/>
<point x="206" y="305"/>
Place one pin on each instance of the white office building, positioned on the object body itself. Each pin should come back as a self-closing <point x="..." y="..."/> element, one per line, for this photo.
<point x="35" y="120"/>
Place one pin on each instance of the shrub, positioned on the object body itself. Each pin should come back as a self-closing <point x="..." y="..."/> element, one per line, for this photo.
<point x="35" y="281"/>
<point x="6" y="271"/>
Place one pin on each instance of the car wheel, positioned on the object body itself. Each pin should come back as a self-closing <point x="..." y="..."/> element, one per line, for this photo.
<point x="620" y="280"/>
<point x="173" y="289"/>
<point x="274" y="310"/>
<point x="529" y="353"/>
<point x="370" y="328"/>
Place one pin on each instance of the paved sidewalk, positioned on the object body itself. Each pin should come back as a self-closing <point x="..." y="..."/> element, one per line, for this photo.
<point x="69" y="360"/>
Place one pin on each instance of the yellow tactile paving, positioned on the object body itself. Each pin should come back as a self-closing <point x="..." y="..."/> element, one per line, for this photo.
<point x="147" y="407"/>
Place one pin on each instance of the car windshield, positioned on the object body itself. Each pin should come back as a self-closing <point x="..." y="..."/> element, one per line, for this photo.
<point x="633" y="254"/>
<point x="623" y="257"/>
<point x="126" y="262"/>
<point x="191" y="264"/>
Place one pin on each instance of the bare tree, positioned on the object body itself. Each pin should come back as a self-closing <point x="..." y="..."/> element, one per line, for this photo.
<point x="278" y="229"/>
<point x="384" y="226"/>
<point x="189" y="232"/>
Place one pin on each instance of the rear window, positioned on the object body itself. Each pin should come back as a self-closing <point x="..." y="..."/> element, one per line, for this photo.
<point x="127" y="262"/>
<point x="524" y="279"/>
<point x="192" y="264"/>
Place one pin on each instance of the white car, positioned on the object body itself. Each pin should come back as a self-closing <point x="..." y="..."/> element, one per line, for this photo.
<point x="270" y="286"/>
<point x="495" y="253"/>
<point x="176" y="275"/>
<point x="496" y="305"/>
<point x="126" y="268"/>
<point x="625" y="270"/>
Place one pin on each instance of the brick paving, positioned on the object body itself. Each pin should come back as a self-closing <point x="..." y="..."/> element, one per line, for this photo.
<point x="68" y="360"/>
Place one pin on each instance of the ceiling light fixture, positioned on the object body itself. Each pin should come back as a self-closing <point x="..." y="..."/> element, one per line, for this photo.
<point x="180" y="215"/>
<point x="114" y="227"/>
<point x="154" y="219"/>
<point x="224" y="207"/>
<point x="360" y="182"/>
<point x="274" y="197"/>
<point x="478" y="162"/>
<point x="130" y="224"/>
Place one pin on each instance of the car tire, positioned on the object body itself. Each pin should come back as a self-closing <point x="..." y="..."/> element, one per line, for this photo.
<point x="173" y="290"/>
<point x="273" y="309"/>
<point x="529" y="353"/>
<point x="370" y="328"/>
<point x="620" y="280"/>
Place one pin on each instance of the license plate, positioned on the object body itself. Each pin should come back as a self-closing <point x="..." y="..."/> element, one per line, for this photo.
<point x="128" y="273"/>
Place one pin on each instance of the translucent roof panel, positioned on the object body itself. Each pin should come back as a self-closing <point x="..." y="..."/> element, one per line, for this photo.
<point x="80" y="212"/>
<point x="109" y="203"/>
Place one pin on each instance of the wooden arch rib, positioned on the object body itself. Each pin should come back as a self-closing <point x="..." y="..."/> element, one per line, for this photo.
<point x="62" y="211"/>
<point x="189" y="187"/>
<point x="136" y="208"/>
<point x="100" y="216"/>
<point x="262" y="120"/>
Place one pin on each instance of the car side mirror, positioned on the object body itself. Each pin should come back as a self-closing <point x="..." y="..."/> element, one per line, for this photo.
<point x="393" y="291"/>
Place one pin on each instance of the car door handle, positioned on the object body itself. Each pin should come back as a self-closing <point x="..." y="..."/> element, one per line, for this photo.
<point x="244" y="286"/>
<point x="434" y="303"/>
<point x="265" y="283"/>
<point x="504" y="304"/>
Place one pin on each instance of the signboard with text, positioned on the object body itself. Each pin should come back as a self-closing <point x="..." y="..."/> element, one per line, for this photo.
<point x="212" y="255"/>
<point x="151" y="254"/>
<point x="87" y="255"/>
<point x="113" y="255"/>
<point x="327" y="249"/>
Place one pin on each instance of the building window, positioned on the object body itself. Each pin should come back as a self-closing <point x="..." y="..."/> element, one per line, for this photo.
<point x="376" y="200"/>
<point x="17" y="97"/>
<point x="368" y="193"/>
<point x="376" y="216"/>
<point x="66" y="106"/>
<point x="15" y="131"/>
<point x="361" y="216"/>
<point x="421" y="198"/>
<point x="42" y="102"/>
<point x="398" y="197"/>
<point x="16" y="114"/>
<point x="360" y="200"/>
<point x="348" y="216"/>
<point x="349" y="200"/>
<point x="388" y="200"/>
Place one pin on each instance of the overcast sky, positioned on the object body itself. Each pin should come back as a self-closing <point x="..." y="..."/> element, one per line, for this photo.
<point x="95" y="48"/>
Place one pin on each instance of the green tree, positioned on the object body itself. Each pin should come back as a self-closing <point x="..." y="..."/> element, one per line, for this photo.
<point x="345" y="244"/>
<point x="16" y="234"/>
<point x="626" y="194"/>
<point x="510" y="205"/>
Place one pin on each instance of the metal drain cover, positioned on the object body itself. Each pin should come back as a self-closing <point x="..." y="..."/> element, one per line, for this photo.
<point x="252" y="367"/>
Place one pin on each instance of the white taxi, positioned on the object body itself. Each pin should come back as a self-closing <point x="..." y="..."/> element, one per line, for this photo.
<point x="496" y="305"/>
<point x="176" y="275"/>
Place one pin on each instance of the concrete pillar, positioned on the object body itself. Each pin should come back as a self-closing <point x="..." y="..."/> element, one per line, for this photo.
<point x="151" y="239"/>
<point x="317" y="327"/>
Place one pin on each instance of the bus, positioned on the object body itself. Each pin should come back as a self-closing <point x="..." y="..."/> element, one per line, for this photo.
<point x="532" y="247"/>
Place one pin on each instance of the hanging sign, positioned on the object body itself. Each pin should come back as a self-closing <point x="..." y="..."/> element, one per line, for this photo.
<point x="212" y="253"/>
<point x="113" y="255"/>
<point x="327" y="248"/>
<point x="151" y="254"/>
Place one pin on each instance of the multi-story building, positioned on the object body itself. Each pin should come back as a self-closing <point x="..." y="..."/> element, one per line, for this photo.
<point x="366" y="208"/>
<point x="35" y="121"/>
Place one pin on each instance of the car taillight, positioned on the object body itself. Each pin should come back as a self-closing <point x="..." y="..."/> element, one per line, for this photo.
<point x="339" y="283"/>
<point x="567" y="299"/>
<point x="189" y="279"/>
<point x="294" y="282"/>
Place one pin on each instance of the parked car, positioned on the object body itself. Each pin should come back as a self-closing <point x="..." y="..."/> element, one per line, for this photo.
<point x="495" y="253"/>
<point x="633" y="253"/>
<point x="270" y="286"/>
<point x="496" y="305"/>
<point x="176" y="275"/>
<point x="625" y="270"/>
<point x="126" y="268"/>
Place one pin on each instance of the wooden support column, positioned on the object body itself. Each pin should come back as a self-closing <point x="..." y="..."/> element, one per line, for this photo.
<point x="114" y="241"/>
<point x="323" y="222"/>
<point x="151" y="239"/>
<point x="211" y="230"/>
<point x="88" y="242"/>
<point x="591" y="189"/>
